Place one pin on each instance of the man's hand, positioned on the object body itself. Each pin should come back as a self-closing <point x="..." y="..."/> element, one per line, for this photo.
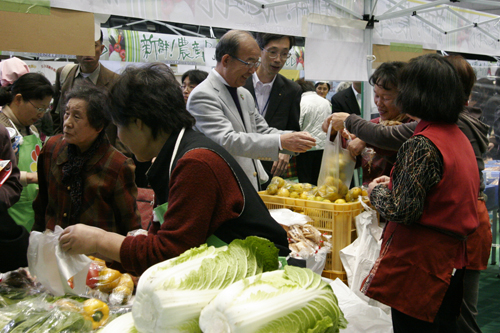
<point x="382" y="180"/>
<point x="356" y="147"/>
<point x="337" y="119"/>
<point x="80" y="239"/>
<point x="298" y="142"/>
<point x="280" y="166"/>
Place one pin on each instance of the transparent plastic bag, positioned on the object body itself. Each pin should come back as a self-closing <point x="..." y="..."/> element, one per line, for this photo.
<point x="337" y="165"/>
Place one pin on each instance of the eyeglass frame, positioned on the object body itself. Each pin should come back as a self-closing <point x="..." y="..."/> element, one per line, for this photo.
<point x="183" y="87"/>
<point x="288" y="55"/>
<point x="248" y="64"/>
<point x="40" y="110"/>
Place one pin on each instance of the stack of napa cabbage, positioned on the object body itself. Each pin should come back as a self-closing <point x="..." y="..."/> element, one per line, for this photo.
<point x="236" y="288"/>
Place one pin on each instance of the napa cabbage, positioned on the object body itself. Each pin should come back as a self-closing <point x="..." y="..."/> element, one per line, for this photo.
<point x="170" y="295"/>
<point x="286" y="301"/>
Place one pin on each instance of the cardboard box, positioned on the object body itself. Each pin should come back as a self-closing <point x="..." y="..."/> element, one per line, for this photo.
<point x="62" y="32"/>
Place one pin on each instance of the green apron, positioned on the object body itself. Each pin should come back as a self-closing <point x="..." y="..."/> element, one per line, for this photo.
<point x="22" y="212"/>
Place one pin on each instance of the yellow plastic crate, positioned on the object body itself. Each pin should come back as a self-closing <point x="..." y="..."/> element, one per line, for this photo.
<point x="337" y="220"/>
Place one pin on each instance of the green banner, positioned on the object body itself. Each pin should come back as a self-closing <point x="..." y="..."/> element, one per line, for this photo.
<point x="41" y="7"/>
<point x="138" y="46"/>
<point x="403" y="47"/>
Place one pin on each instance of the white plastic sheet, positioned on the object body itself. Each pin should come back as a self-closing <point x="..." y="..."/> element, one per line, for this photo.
<point x="362" y="317"/>
<point x="53" y="267"/>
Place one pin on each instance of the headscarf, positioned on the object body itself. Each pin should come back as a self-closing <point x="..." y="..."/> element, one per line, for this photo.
<point x="11" y="69"/>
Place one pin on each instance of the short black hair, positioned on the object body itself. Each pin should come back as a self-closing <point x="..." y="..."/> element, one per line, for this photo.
<point x="322" y="82"/>
<point x="195" y="76"/>
<point x="430" y="89"/>
<point x="30" y="86"/>
<point x="97" y="99"/>
<point x="230" y="43"/>
<point x="305" y="85"/>
<point x="101" y="39"/>
<point x="263" y="39"/>
<point x="152" y="94"/>
<point x="387" y="75"/>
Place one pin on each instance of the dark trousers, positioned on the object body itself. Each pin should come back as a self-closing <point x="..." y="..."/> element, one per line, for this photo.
<point x="467" y="322"/>
<point x="447" y="317"/>
<point x="308" y="166"/>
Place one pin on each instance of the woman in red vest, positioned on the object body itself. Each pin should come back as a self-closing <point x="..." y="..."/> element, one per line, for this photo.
<point x="431" y="201"/>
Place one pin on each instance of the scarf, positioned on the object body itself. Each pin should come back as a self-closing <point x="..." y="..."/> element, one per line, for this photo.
<point x="73" y="172"/>
<point x="400" y="119"/>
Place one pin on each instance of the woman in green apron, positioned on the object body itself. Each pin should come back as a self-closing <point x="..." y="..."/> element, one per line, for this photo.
<point x="23" y="103"/>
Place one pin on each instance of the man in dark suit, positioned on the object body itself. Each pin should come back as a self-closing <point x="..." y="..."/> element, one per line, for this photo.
<point x="277" y="98"/>
<point x="88" y="68"/>
<point x="348" y="100"/>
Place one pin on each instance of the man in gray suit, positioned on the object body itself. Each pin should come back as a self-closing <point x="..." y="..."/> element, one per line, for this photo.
<point x="226" y="113"/>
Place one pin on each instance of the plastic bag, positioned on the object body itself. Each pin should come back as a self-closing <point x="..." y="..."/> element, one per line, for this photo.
<point x="358" y="257"/>
<point x="54" y="268"/>
<point x="337" y="162"/>
<point x="361" y="316"/>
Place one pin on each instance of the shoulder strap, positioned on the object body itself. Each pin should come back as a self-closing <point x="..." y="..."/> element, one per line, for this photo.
<point x="64" y="73"/>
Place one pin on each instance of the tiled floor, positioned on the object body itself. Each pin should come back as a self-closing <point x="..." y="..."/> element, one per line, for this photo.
<point x="489" y="300"/>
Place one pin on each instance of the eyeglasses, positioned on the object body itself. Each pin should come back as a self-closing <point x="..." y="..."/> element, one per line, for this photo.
<point x="40" y="110"/>
<point x="188" y="87"/>
<point x="249" y="64"/>
<point x="273" y="54"/>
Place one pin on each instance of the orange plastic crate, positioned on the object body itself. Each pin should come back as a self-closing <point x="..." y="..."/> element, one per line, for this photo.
<point x="337" y="220"/>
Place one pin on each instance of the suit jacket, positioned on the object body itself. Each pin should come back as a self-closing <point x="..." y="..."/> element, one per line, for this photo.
<point x="106" y="79"/>
<point x="345" y="101"/>
<point x="249" y="139"/>
<point x="283" y="111"/>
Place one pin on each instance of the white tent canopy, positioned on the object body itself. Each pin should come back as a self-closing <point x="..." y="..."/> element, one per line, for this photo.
<point x="340" y="34"/>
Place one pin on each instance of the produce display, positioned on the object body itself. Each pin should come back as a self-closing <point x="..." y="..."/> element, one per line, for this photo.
<point x="171" y="294"/>
<point x="108" y="284"/>
<point x="26" y="307"/>
<point x="332" y="190"/>
<point x="290" y="300"/>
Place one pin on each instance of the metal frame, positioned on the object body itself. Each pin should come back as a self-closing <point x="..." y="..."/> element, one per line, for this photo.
<point x="430" y="7"/>
<point x="171" y="27"/>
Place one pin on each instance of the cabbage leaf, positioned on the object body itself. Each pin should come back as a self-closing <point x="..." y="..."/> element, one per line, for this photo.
<point x="170" y="295"/>
<point x="293" y="300"/>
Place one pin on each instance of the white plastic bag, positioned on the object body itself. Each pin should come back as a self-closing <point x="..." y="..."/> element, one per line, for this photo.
<point x="361" y="316"/>
<point x="336" y="162"/>
<point x="359" y="257"/>
<point x="53" y="267"/>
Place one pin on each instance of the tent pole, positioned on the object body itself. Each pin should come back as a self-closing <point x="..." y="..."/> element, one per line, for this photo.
<point x="430" y="24"/>
<point x="367" y="91"/>
<point x="405" y="12"/>
<point x="483" y="2"/>
<point x="344" y="9"/>
<point x="276" y="4"/>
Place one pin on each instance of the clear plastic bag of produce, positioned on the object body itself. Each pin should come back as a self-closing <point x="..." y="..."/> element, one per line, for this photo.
<point x="305" y="241"/>
<point x="39" y="314"/>
<point x="108" y="284"/>
<point x="337" y="162"/>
